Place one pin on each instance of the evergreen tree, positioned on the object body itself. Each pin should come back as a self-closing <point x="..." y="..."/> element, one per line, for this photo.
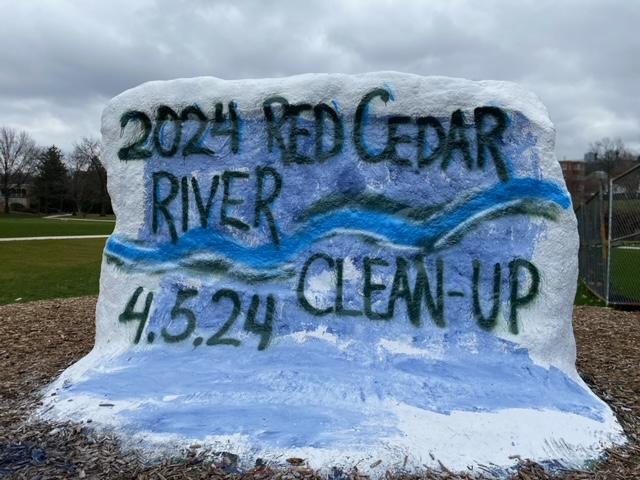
<point x="51" y="180"/>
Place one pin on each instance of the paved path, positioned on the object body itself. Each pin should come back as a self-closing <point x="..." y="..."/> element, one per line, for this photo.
<point x="63" y="237"/>
<point x="67" y="216"/>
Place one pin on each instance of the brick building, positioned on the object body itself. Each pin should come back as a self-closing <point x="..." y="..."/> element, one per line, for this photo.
<point x="574" y="172"/>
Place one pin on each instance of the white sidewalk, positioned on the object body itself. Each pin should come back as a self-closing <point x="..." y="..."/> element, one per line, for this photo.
<point x="63" y="237"/>
<point x="68" y="217"/>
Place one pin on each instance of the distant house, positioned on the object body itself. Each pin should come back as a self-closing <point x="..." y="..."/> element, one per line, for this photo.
<point x="18" y="195"/>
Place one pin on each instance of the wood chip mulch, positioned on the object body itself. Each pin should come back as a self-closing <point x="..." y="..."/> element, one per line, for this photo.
<point x="38" y="340"/>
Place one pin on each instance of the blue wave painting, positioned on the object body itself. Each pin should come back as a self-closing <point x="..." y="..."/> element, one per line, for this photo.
<point x="524" y="196"/>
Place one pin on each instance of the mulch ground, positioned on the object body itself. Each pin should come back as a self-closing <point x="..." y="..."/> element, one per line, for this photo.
<point x="38" y="340"/>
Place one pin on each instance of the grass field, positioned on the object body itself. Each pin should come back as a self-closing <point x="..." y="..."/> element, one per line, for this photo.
<point x="625" y="274"/>
<point x="585" y="297"/>
<point x="33" y="226"/>
<point x="40" y="269"/>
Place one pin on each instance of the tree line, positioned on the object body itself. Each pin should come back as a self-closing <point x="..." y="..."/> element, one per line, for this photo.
<point x="55" y="182"/>
<point x="607" y="159"/>
<point x="611" y="156"/>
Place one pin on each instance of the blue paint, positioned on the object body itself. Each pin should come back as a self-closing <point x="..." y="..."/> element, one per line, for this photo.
<point x="350" y="182"/>
<point x="389" y="89"/>
<point x="280" y="398"/>
<point x="382" y="226"/>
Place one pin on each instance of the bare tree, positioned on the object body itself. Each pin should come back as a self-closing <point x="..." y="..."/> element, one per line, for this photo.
<point x="17" y="159"/>
<point x="79" y="171"/>
<point x="610" y="156"/>
<point x="85" y="161"/>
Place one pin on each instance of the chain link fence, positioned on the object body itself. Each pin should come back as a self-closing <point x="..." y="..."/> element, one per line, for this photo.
<point x="593" y="251"/>
<point x="609" y="227"/>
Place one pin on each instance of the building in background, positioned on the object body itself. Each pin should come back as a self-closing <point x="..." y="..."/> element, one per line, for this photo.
<point x="574" y="172"/>
<point x="20" y="197"/>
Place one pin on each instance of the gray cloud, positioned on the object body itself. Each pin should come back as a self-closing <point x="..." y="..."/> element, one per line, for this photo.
<point x="62" y="60"/>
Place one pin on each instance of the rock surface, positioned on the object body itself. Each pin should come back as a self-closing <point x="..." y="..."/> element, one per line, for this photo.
<point x="338" y="268"/>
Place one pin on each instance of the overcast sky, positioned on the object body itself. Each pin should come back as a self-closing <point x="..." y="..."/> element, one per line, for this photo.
<point x="62" y="60"/>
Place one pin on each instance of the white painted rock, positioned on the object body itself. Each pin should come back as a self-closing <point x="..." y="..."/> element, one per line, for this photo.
<point x="340" y="268"/>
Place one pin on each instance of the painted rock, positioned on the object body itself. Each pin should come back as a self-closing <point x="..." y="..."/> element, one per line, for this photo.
<point x="339" y="268"/>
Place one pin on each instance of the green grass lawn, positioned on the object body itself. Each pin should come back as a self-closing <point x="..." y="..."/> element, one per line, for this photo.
<point x="625" y="280"/>
<point x="34" y="226"/>
<point x="625" y="275"/>
<point x="95" y="216"/>
<point x="40" y="269"/>
<point x="627" y="205"/>
<point x="585" y="297"/>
